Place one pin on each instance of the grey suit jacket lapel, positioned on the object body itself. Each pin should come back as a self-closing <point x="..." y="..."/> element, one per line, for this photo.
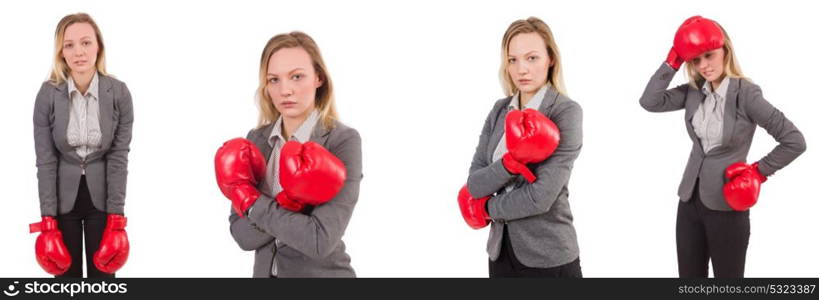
<point x="730" y="114"/>
<point x="62" y="113"/>
<point x="692" y="103"/>
<point x="548" y="102"/>
<point x="320" y="134"/>
<point x="500" y="128"/>
<point x="261" y="141"/>
<point x="106" y="103"/>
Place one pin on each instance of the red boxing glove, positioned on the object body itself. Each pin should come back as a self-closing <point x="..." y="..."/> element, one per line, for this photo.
<point x="742" y="189"/>
<point x="473" y="210"/>
<point x="695" y="36"/>
<point x="114" y="247"/>
<point x="240" y="166"/>
<point x="674" y="60"/>
<point x="288" y="204"/>
<point x="309" y="175"/>
<point x="530" y="138"/>
<point x="50" y="250"/>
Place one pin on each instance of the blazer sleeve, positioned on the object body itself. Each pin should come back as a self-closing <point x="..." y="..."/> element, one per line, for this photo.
<point x="47" y="153"/>
<point x="552" y="174"/>
<point x="657" y="97"/>
<point x="487" y="177"/>
<point x="316" y="234"/>
<point x="247" y="235"/>
<point x="790" y="139"/>
<point x="116" y="159"/>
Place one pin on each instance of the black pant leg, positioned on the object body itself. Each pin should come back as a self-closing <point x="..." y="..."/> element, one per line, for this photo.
<point x="83" y="220"/>
<point x="70" y="225"/>
<point x="571" y="270"/>
<point x="503" y="266"/>
<point x="692" y="246"/>
<point x="727" y="233"/>
<point x="94" y="227"/>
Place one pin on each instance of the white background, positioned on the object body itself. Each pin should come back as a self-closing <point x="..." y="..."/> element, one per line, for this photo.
<point x="417" y="80"/>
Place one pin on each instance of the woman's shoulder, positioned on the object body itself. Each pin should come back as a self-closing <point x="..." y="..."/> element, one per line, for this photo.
<point x="344" y="142"/>
<point x="746" y="85"/>
<point x="111" y="81"/>
<point x="748" y="91"/>
<point x="50" y="85"/>
<point x="501" y="103"/>
<point x="257" y="131"/>
<point x="47" y="91"/>
<point x="342" y="131"/>
<point x="117" y="87"/>
<point x="563" y="103"/>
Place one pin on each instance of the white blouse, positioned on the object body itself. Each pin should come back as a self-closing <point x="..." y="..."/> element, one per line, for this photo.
<point x="83" y="131"/>
<point x="708" y="118"/>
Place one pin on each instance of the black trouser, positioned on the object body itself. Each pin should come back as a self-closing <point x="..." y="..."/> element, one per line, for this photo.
<point x="703" y="234"/>
<point x="83" y="217"/>
<point x="507" y="265"/>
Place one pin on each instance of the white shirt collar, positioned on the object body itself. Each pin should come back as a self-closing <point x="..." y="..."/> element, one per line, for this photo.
<point x="722" y="90"/>
<point x="93" y="88"/>
<point x="302" y="134"/>
<point x="533" y="103"/>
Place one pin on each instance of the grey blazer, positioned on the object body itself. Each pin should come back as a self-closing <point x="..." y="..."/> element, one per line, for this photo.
<point x="312" y="245"/>
<point x="537" y="215"/>
<point x="745" y="108"/>
<point x="59" y="168"/>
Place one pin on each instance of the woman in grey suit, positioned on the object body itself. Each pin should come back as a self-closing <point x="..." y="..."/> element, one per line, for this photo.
<point x="82" y="132"/>
<point x="296" y="103"/>
<point x="722" y="110"/>
<point x="531" y="233"/>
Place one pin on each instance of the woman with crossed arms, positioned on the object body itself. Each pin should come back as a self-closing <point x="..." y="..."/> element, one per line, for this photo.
<point x="294" y="180"/>
<point x="520" y="172"/>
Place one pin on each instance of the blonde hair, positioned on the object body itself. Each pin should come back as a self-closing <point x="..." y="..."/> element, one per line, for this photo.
<point x="730" y="64"/>
<point x="325" y="102"/>
<point x="59" y="69"/>
<point x="532" y="24"/>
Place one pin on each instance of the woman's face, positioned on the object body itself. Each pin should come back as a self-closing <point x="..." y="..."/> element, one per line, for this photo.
<point x="80" y="48"/>
<point x="711" y="64"/>
<point x="292" y="82"/>
<point x="528" y="62"/>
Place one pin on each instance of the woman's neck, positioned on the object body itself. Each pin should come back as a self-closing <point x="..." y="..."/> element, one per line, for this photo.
<point x="290" y="125"/>
<point x="716" y="83"/>
<point x="524" y="98"/>
<point x="82" y="80"/>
